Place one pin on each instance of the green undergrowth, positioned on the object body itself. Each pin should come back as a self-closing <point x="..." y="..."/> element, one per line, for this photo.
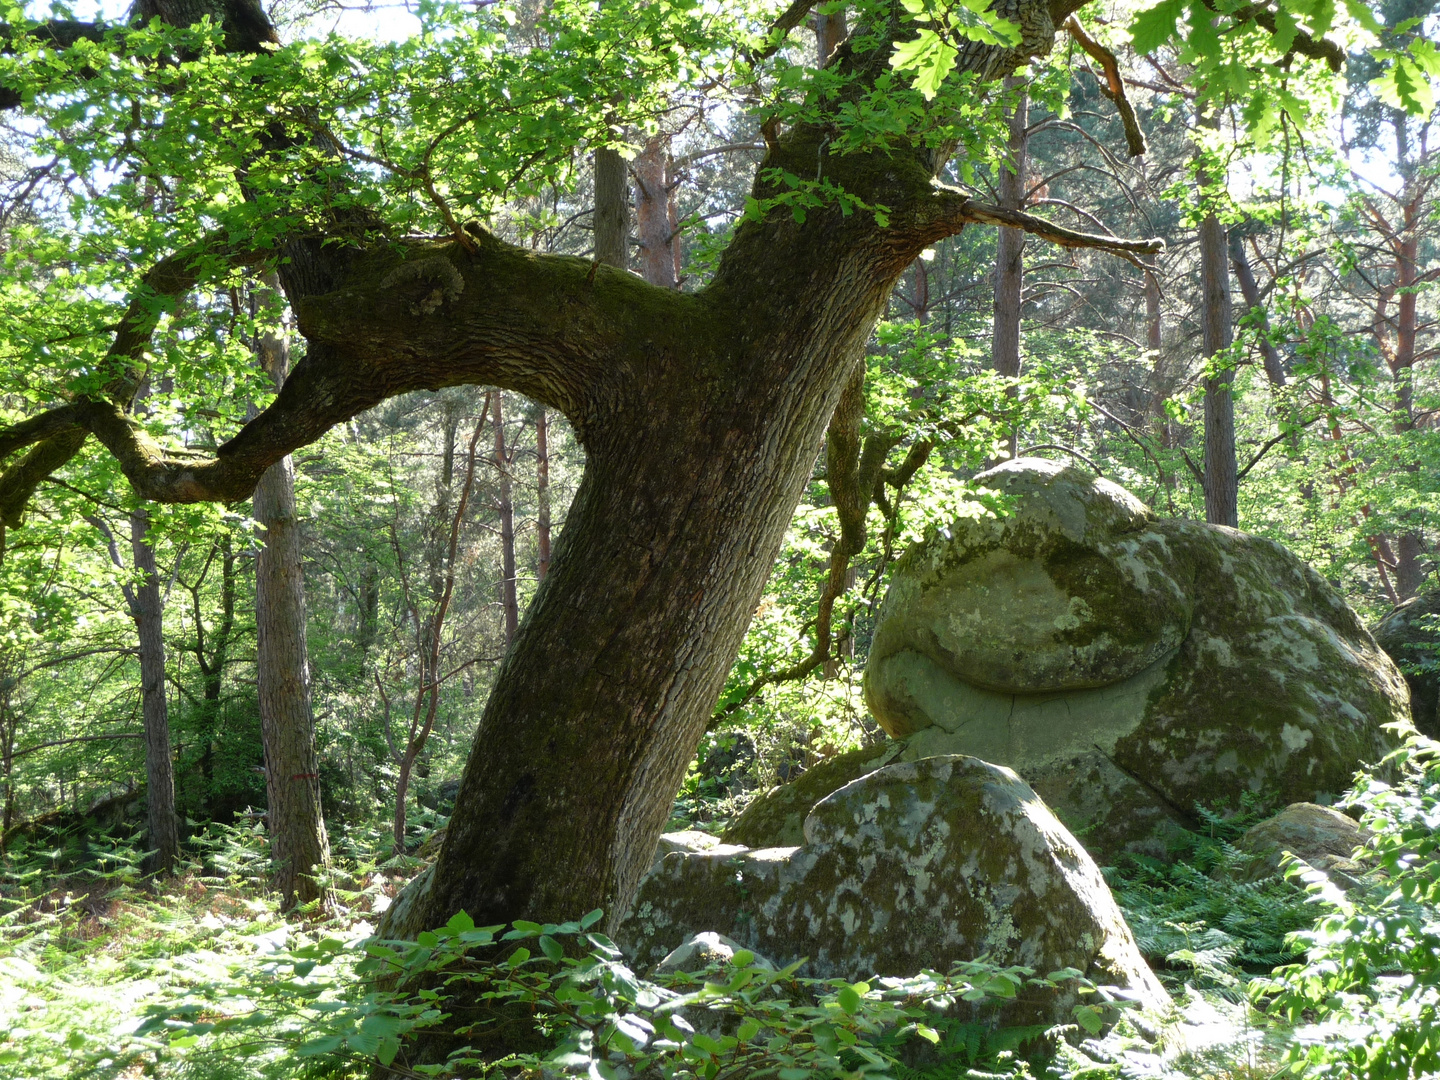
<point x="105" y="974"/>
<point x="1196" y="917"/>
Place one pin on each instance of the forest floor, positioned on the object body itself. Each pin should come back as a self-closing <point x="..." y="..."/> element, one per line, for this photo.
<point x="103" y="973"/>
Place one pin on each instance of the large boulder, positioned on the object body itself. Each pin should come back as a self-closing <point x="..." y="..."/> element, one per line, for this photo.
<point x="915" y="865"/>
<point x="1411" y="635"/>
<point x="1127" y="667"/>
<point x="777" y="818"/>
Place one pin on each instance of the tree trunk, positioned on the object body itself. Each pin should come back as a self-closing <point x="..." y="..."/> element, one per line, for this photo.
<point x="829" y="32"/>
<point x="656" y="215"/>
<point x="1250" y="292"/>
<point x="505" y="503"/>
<point x="1221" y="479"/>
<point x="299" y="847"/>
<point x="612" y="214"/>
<point x="542" y="493"/>
<point x="1010" y="247"/>
<point x="599" y="705"/>
<point x="149" y="613"/>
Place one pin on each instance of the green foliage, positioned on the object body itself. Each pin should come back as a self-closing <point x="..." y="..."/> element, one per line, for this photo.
<point x="1371" y="972"/>
<point x="1198" y="918"/>
<point x="592" y="1015"/>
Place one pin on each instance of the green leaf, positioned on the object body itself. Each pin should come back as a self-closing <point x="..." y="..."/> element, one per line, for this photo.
<point x="743" y="958"/>
<point x="460" y="922"/>
<point x="591" y="919"/>
<point x="552" y="948"/>
<point x="1155" y="26"/>
<point x="930" y="57"/>
<point x="518" y="957"/>
<point x="748" y="1030"/>
<point x="848" y="999"/>
<point x="316" y="1047"/>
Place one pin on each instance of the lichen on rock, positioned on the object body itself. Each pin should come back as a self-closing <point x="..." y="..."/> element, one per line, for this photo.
<point x="913" y="866"/>
<point x="1128" y="667"/>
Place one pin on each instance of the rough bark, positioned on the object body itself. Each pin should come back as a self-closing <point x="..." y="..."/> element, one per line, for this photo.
<point x="505" y="506"/>
<point x="299" y="847"/>
<point x="542" y="493"/>
<point x="148" y="610"/>
<point x="612" y="214"/>
<point x="1010" y="246"/>
<point x="830" y="30"/>
<point x="657" y="223"/>
<point x="1221" y="473"/>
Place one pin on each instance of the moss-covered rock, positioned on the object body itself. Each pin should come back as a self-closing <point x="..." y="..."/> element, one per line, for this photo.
<point x="777" y="818"/>
<point x="915" y="865"/>
<point x="1411" y="636"/>
<point x="1323" y="837"/>
<point x="1127" y="667"/>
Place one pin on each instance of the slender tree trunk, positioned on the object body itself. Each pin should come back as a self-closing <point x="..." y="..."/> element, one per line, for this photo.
<point x="1010" y="247"/>
<point x="1250" y="292"/>
<point x="149" y="613"/>
<point x="7" y="748"/>
<point x="299" y="847"/>
<point x="1409" y="569"/>
<point x="505" y="503"/>
<point x="612" y="214"/>
<point x="542" y="490"/>
<point x="212" y="670"/>
<point x="656" y="215"/>
<point x="1221" y="479"/>
<point x="369" y="615"/>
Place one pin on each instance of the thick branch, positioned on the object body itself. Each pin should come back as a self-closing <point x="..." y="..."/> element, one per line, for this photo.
<point x="1134" y="137"/>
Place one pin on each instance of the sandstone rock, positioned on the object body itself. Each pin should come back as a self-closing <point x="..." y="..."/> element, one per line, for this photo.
<point x="777" y="818"/>
<point x="1127" y="667"/>
<point x="705" y="950"/>
<point x="1322" y="836"/>
<point x="1411" y="635"/>
<point x="915" y="865"/>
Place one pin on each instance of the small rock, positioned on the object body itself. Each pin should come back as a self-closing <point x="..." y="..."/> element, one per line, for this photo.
<point x="701" y="951"/>
<point x="777" y="818"/>
<point x="1322" y="836"/>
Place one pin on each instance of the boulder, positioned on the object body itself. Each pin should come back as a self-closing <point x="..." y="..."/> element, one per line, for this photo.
<point x="915" y="865"/>
<point x="1127" y="667"/>
<point x="777" y="818"/>
<point x="1322" y="836"/>
<point x="1411" y="636"/>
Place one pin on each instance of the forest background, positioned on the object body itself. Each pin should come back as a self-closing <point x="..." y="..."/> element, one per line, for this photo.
<point x="423" y="526"/>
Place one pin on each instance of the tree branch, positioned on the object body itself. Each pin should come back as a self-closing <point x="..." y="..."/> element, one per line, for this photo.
<point x="954" y="209"/>
<point x="1134" y="137"/>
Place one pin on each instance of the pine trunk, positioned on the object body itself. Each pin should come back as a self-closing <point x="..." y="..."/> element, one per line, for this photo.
<point x="542" y="493"/>
<point x="149" y="613"/>
<point x="1221" y="474"/>
<point x="612" y="216"/>
<point x="299" y="847"/>
<point x="505" y="504"/>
